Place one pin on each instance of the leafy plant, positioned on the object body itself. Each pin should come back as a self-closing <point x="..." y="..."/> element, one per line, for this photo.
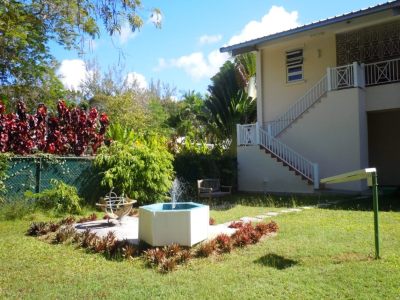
<point x="62" y="197"/>
<point x="236" y="224"/>
<point x="205" y="249"/>
<point x="92" y="217"/>
<point x="167" y="265"/>
<point x="36" y="228"/>
<point x="224" y="243"/>
<point x="72" y="131"/>
<point x="141" y="170"/>
<point x="154" y="256"/>
<point x="211" y="221"/>
<point x="64" y="233"/>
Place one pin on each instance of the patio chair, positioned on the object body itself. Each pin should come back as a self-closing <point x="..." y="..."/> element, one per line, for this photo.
<point x="210" y="188"/>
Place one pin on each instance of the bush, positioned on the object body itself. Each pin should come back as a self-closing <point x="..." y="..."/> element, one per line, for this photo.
<point x="15" y="209"/>
<point x="142" y="170"/>
<point x="62" y="197"/>
<point x="192" y="163"/>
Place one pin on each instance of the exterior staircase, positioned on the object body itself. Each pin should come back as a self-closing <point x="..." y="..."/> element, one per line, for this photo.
<point x="342" y="77"/>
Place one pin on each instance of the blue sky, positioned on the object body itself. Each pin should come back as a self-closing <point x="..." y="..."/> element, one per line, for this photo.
<point x="185" y="52"/>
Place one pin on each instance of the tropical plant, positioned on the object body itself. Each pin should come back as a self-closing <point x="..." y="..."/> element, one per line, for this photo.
<point x="228" y="105"/>
<point x="72" y="131"/>
<point x="62" y="197"/>
<point x="142" y="170"/>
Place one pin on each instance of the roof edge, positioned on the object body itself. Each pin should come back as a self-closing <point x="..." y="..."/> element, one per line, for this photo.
<point x="251" y="45"/>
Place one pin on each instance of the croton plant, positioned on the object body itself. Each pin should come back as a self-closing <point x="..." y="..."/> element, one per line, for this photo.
<point x="71" y="131"/>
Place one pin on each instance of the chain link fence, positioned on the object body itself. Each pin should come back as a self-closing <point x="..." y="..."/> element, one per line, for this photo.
<point x="35" y="174"/>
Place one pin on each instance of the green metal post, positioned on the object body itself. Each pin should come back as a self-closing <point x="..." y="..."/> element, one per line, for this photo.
<point x="38" y="174"/>
<point x="376" y="220"/>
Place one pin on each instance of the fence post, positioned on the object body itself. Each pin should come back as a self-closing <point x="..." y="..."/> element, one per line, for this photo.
<point x="316" y="176"/>
<point x="257" y="133"/>
<point x="38" y="175"/>
<point x="329" y="78"/>
<point x="238" y="141"/>
<point x="355" y="74"/>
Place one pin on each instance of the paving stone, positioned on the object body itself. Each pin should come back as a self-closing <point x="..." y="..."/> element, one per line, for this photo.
<point x="307" y="207"/>
<point x="262" y="217"/>
<point x="215" y="230"/>
<point x="249" y="219"/>
<point x="294" y="209"/>
<point x="285" y="211"/>
<point x="272" y="214"/>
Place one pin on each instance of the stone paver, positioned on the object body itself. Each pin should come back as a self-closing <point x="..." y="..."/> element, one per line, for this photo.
<point x="215" y="230"/>
<point x="307" y="207"/>
<point x="250" y="220"/>
<point x="294" y="210"/>
<point x="285" y="211"/>
<point x="272" y="214"/>
<point x="262" y="217"/>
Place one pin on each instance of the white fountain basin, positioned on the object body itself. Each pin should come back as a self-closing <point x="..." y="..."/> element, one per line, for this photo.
<point x="186" y="224"/>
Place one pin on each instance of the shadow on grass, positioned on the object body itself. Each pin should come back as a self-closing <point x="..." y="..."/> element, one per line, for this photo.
<point x="276" y="261"/>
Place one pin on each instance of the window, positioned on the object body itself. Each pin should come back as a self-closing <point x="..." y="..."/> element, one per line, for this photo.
<point x="294" y="65"/>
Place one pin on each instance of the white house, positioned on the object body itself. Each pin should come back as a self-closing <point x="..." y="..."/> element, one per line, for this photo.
<point x="328" y="102"/>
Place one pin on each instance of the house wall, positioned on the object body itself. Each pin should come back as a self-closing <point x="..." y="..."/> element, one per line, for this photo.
<point x="382" y="97"/>
<point x="333" y="133"/>
<point x="319" y="52"/>
<point x="259" y="172"/>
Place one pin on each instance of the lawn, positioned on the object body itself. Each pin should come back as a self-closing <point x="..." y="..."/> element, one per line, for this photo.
<point x="318" y="253"/>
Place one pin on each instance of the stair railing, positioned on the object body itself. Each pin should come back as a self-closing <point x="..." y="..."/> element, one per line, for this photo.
<point x="288" y="156"/>
<point x="275" y="127"/>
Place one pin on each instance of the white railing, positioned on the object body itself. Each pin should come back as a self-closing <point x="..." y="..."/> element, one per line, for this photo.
<point x="246" y="134"/>
<point x="288" y="156"/>
<point x="341" y="77"/>
<point x="382" y="72"/>
<point x="276" y="126"/>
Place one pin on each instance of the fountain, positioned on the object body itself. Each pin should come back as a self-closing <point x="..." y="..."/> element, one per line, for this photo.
<point x="183" y="223"/>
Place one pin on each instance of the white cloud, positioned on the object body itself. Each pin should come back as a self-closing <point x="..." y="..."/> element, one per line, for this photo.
<point x="196" y="64"/>
<point x="209" y="39"/>
<point x="277" y="19"/>
<point x="126" y="33"/>
<point x="137" y="79"/>
<point x="72" y="72"/>
<point x="200" y="66"/>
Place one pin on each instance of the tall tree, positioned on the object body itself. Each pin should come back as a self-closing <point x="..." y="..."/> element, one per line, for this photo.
<point x="27" y="26"/>
<point x="228" y="105"/>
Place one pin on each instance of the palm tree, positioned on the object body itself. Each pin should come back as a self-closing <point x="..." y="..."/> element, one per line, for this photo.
<point x="229" y="103"/>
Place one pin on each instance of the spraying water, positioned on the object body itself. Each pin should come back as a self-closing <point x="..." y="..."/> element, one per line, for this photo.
<point x="176" y="192"/>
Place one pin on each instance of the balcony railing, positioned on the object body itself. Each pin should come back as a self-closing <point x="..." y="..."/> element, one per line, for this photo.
<point x="382" y="72"/>
<point x="356" y="75"/>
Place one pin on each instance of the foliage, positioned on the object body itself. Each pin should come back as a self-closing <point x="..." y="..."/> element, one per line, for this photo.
<point x="15" y="209"/>
<point x="206" y="249"/>
<point x="245" y="65"/>
<point x="196" y="161"/>
<point x="166" y="259"/>
<point x="62" y="197"/>
<point x="228" y="105"/>
<point x="142" y="170"/>
<point x="92" y="217"/>
<point x="224" y="243"/>
<point x="72" y="131"/>
<point x="4" y="166"/>
<point x="27" y="69"/>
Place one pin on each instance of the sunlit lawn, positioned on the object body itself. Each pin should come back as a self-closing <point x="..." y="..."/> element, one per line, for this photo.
<point x="318" y="253"/>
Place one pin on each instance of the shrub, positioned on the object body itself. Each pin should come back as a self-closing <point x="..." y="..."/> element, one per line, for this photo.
<point x="92" y="217"/>
<point x="205" y="249"/>
<point x="62" y="197"/>
<point x="212" y="221"/>
<point x="141" y="170"/>
<point x="167" y="265"/>
<point x="194" y="162"/>
<point x="64" y="234"/>
<point x="154" y="256"/>
<point x="224" y="243"/>
<point x="36" y="228"/>
<point x="15" y="209"/>
<point x="236" y="224"/>
<point x="72" y="131"/>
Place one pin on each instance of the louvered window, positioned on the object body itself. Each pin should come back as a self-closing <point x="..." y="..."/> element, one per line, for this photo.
<point x="294" y="65"/>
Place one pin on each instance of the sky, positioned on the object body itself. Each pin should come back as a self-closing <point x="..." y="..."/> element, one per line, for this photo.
<point x="184" y="53"/>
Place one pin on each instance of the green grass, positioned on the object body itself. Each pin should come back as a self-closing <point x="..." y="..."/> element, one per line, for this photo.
<point x="318" y="253"/>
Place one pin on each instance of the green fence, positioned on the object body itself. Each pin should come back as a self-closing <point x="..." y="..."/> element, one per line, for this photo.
<point x="35" y="173"/>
